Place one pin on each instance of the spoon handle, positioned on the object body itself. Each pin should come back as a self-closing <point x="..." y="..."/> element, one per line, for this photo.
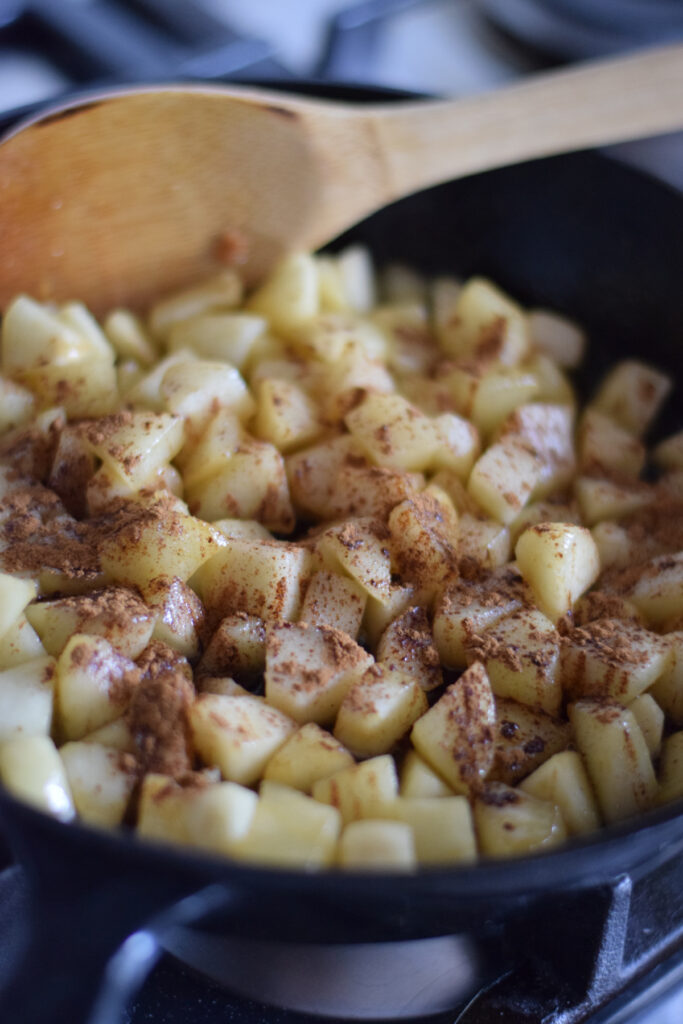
<point x="598" y="103"/>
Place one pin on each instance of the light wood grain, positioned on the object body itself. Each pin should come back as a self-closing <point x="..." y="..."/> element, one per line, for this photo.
<point x="132" y="194"/>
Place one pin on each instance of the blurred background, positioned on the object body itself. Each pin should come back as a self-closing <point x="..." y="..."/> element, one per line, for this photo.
<point x="448" y="47"/>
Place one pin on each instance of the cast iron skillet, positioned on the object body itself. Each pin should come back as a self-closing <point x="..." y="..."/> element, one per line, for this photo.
<point x="578" y="234"/>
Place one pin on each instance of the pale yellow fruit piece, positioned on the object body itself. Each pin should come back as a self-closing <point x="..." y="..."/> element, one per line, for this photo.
<point x="547" y="430"/>
<point x="407" y="646"/>
<point x="442" y="827"/>
<point x="259" y="577"/>
<point x="456" y="736"/>
<point x="135" y="444"/>
<point x="412" y="347"/>
<point x="227" y="336"/>
<point x="339" y="384"/>
<point x="129" y="373"/>
<point x="504" y="478"/>
<point x="101" y="780"/>
<point x="19" y="644"/>
<point x="612" y="658"/>
<point x="223" y="291"/>
<point x="196" y="388"/>
<point x="632" y="394"/>
<point x="242" y="528"/>
<point x="563" y="780"/>
<point x="31" y="770"/>
<point x="212" y="817"/>
<point x="484" y="541"/>
<point x="607" y="448"/>
<point x="15" y="594"/>
<point x="127" y="336"/>
<point x="485" y="322"/>
<point x="330" y="337"/>
<point x="669" y="453"/>
<point x="26" y="697"/>
<point x="544" y="512"/>
<point x="289" y="829"/>
<point x="671" y="769"/>
<point x="468" y="606"/>
<point x="33" y="335"/>
<point x="378" y="710"/>
<point x="600" y="498"/>
<point x="510" y="822"/>
<point x="424" y="539"/>
<point x="393" y="433"/>
<point x="522" y="657"/>
<point x="201" y="458"/>
<point x="76" y="316"/>
<point x="458" y="444"/>
<point x="559" y="561"/>
<point x="380" y="614"/>
<point x="444" y="293"/>
<point x="117" y="614"/>
<point x="157" y="541"/>
<point x="94" y="684"/>
<point x="333" y="480"/>
<point x="553" y="384"/>
<point x="86" y="387"/>
<point x="358" y="277"/>
<point x="668" y="689"/>
<point x="238" y="734"/>
<point x="617" y="757"/>
<point x="179" y="614"/>
<point x="617" y="548"/>
<point x="419" y="780"/>
<point x="377" y="846"/>
<point x="311" y="753"/>
<point x="360" y="790"/>
<point x="73" y="466"/>
<point x="334" y="600"/>
<point x="359" y="548"/>
<point x="116" y="734"/>
<point x="145" y="392"/>
<point x="309" y="670"/>
<point x="650" y="718"/>
<point x="289" y="297"/>
<point x="524" y="739"/>
<point x="598" y="604"/>
<point x="487" y="395"/>
<point x="223" y="685"/>
<point x="17" y="404"/>
<point x="286" y="416"/>
<point x="249" y="484"/>
<point x="658" y="592"/>
<point x="557" y="337"/>
<point x="105" y="486"/>
<point x="237" y="648"/>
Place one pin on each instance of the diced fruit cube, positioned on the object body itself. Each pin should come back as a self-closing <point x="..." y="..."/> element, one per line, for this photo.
<point x="510" y="822"/>
<point x="361" y="790"/>
<point x="26" y="693"/>
<point x="418" y="779"/>
<point x="290" y="830"/>
<point x="377" y="710"/>
<point x="30" y="768"/>
<point x="559" y="561"/>
<point x="611" y="658"/>
<point x="562" y="780"/>
<point x="101" y="779"/>
<point x="311" y="753"/>
<point x="94" y="685"/>
<point x="524" y="739"/>
<point x="116" y="613"/>
<point x="407" y="646"/>
<point x="377" y="846"/>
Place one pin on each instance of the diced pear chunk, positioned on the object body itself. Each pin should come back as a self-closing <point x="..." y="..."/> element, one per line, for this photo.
<point x="377" y="846"/>
<point x="650" y="718"/>
<point x="26" y="696"/>
<point x="134" y="444"/>
<point x="259" y="577"/>
<point x="289" y="297"/>
<point x="469" y="606"/>
<point x="613" y="659"/>
<point x="456" y="736"/>
<point x="632" y="394"/>
<point x="31" y="770"/>
<point x="407" y="646"/>
<point x="19" y="644"/>
<point x="510" y="822"/>
<point x="227" y="336"/>
<point x="101" y="779"/>
<point x="290" y="830"/>
<point x="503" y="479"/>
<point x="600" y="498"/>
<point x="522" y="657"/>
<point x="194" y="389"/>
<point x="15" y="594"/>
<point x="287" y="416"/>
<point x="442" y="827"/>
<point x="557" y="337"/>
<point x="562" y="780"/>
<point x="424" y="539"/>
<point x="607" y="448"/>
<point x="309" y="670"/>
<point x="418" y="779"/>
<point x="668" y="689"/>
<point x="392" y="432"/>
<point x="359" y="548"/>
<point x="483" y="541"/>
<point x="658" y="590"/>
<point x="311" y="753"/>
<point x="238" y="734"/>
<point x="378" y="710"/>
<point x="524" y="739"/>
<point x="223" y="291"/>
<point x="237" y="648"/>
<point x="671" y="769"/>
<point x="361" y="790"/>
<point x="617" y="757"/>
<point x="334" y="600"/>
<point x="94" y="685"/>
<point x="559" y="561"/>
<point x="179" y="614"/>
<point x="486" y="323"/>
<point x="213" y="816"/>
<point x="116" y="613"/>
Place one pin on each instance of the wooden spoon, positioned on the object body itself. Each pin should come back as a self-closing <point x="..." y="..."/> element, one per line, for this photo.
<point x="128" y="195"/>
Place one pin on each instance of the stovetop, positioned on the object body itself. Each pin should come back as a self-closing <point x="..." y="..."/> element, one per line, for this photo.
<point x="48" y="48"/>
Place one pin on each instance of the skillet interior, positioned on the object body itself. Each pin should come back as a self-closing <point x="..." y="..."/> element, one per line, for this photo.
<point x="579" y="234"/>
